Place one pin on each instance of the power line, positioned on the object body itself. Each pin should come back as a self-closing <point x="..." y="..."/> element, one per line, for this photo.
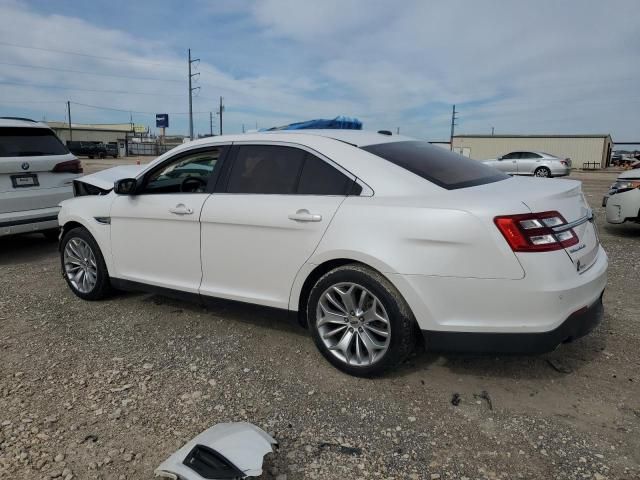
<point x="131" y="111"/>
<point x="119" y="92"/>
<point x="67" y="52"/>
<point x="91" y="73"/>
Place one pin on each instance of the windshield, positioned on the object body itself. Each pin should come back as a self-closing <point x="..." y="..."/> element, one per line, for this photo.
<point x="442" y="167"/>
<point x="28" y="142"/>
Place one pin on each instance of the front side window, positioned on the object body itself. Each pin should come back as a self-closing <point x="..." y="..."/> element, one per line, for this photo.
<point x="29" y="142"/>
<point x="187" y="174"/>
<point x="437" y="165"/>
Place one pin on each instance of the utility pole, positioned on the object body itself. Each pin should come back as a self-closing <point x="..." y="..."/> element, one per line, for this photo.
<point x="492" y="131"/>
<point x="191" y="89"/>
<point x="453" y="125"/>
<point x="398" y="131"/>
<point x="211" y="123"/>
<point x="69" y="117"/>
<point x="219" y="112"/>
<point x="243" y="128"/>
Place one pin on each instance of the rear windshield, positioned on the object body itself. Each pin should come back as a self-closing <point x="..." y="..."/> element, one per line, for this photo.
<point x="29" y="142"/>
<point x="442" y="167"/>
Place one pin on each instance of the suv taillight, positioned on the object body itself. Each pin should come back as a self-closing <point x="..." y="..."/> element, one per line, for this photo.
<point x="534" y="232"/>
<point x="69" y="166"/>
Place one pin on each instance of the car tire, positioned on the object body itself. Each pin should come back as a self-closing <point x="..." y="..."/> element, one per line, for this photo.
<point x="350" y="349"/>
<point x="542" y="172"/>
<point x="52" y="235"/>
<point x="90" y="156"/>
<point x="81" y="255"/>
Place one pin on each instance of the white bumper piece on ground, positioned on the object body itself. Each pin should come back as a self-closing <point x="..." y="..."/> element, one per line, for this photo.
<point x="226" y="450"/>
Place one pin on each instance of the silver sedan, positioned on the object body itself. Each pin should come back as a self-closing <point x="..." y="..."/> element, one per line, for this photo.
<point x="538" y="164"/>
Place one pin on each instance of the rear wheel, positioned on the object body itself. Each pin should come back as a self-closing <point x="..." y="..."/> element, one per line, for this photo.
<point x="542" y="172"/>
<point x="359" y="321"/>
<point x="83" y="265"/>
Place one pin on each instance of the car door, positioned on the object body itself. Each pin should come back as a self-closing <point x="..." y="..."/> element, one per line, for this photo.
<point x="528" y="162"/>
<point x="155" y="233"/>
<point x="508" y="163"/>
<point x="267" y="219"/>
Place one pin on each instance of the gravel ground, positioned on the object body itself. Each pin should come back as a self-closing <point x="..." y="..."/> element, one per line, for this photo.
<point x="107" y="390"/>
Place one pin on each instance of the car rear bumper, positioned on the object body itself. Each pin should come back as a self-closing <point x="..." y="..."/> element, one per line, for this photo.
<point x="579" y="324"/>
<point x="560" y="171"/>
<point x="28" y="221"/>
<point x="540" y="303"/>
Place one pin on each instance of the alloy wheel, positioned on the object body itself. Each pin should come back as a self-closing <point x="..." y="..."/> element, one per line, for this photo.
<point x="80" y="265"/>
<point x="353" y="324"/>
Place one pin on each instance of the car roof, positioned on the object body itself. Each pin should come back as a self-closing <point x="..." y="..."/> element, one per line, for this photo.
<point x="21" y="122"/>
<point x="358" y="138"/>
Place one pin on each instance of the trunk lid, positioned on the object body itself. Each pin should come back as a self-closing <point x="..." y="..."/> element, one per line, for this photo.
<point x="541" y="195"/>
<point x="566" y="197"/>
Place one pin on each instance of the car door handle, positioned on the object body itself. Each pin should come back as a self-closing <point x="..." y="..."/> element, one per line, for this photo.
<point x="181" y="209"/>
<point x="303" y="215"/>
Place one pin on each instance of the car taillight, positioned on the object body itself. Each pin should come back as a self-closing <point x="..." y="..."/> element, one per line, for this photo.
<point x="69" y="166"/>
<point x="536" y="232"/>
<point x="565" y="162"/>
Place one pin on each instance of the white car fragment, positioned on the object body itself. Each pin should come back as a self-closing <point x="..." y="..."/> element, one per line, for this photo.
<point x="224" y="451"/>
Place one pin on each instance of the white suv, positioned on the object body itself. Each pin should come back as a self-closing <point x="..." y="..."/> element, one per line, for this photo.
<point x="36" y="174"/>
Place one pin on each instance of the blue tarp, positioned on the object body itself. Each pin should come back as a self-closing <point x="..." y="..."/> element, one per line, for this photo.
<point x="338" y="123"/>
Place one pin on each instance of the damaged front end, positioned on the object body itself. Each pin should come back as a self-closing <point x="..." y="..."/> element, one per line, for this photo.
<point x="101" y="183"/>
<point x="224" y="451"/>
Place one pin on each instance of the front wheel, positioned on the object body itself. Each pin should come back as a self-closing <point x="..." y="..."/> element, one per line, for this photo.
<point x="83" y="265"/>
<point x="359" y="321"/>
<point x="543" y="172"/>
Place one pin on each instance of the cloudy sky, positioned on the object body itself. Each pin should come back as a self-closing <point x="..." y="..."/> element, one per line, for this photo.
<point x="541" y="66"/>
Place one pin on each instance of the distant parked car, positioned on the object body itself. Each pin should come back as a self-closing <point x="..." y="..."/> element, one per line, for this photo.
<point x="622" y="201"/>
<point x="36" y="174"/>
<point x="88" y="149"/>
<point x="538" y="164"/>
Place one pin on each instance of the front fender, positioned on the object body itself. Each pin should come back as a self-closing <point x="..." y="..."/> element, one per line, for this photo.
<point x="84" y="211"/>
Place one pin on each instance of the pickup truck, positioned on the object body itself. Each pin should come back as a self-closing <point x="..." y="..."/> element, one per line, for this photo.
<point x="92" y="149"/>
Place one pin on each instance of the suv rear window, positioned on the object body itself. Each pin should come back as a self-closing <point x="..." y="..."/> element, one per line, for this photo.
<point x="29" y="142"/>
<point x="442" y="167"/>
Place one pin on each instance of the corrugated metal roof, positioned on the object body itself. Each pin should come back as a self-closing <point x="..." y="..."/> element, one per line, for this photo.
<point x="588" y="135"/>
<point x="108" y="127"/>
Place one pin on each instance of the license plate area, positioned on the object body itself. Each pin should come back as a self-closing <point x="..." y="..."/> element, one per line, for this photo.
<point x="25" y="180"/>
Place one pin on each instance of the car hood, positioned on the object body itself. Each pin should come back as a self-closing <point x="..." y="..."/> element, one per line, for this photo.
<point x="106" y="178"/>
<point x="629" y="174"/>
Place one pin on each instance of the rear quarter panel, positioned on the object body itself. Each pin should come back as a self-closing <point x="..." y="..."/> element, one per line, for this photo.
<point x="395" y="237"/>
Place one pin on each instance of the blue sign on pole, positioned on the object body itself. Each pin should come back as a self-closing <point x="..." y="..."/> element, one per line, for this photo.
<point x="162" y="120"/>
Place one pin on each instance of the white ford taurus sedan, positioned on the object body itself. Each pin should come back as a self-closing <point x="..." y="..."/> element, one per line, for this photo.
<point x="371" y="238"/>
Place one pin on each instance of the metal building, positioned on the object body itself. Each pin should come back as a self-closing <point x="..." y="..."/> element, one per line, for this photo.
<point x="585" y="151"/>
<point x="105" y="133"/>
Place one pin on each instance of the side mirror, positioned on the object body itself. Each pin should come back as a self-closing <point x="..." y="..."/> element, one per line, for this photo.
<point x="125" y="186"/>
<point x="499" y="158"/>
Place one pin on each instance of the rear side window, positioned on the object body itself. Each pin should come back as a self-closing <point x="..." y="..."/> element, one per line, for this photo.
<point x="266" y="169"/>
<point x="442" y="167"/>
<point x="29" y="142"/>
<point x="320" y="178"/>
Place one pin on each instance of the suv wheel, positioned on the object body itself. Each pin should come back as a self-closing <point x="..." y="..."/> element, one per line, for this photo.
<point x="83" y="265"/>
<point x="359" y="321"/>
